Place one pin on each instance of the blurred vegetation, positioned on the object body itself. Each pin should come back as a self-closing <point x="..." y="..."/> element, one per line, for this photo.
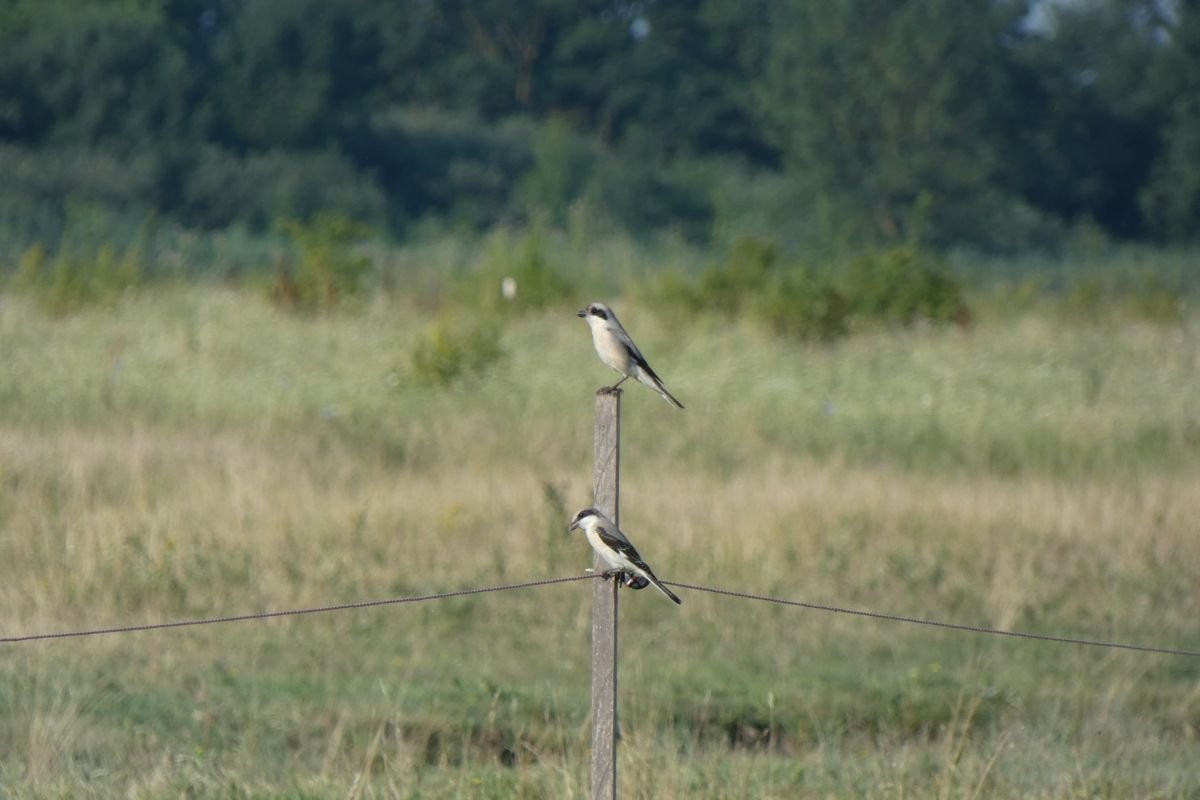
<point x="999" y="126"/>
<point x="73" y="280"/>
<point x="892" y="286"/>
<point x="517" y="272"/>
<point x="901" y="285"/>
<point x="328" y="271"/>
<point x="454" y="349"/>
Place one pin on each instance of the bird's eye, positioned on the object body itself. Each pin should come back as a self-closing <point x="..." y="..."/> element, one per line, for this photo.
<point x="598" y="312"/>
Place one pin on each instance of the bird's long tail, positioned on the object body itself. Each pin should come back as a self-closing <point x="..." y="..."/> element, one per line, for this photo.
<point x="657" y="386"/>
<point x="659" y="585"/>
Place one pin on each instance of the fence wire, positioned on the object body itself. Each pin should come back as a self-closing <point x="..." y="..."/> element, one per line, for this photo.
<point x="295" y="612"/>
<point x="876" y="615"/>
<point x="954" y="626"/>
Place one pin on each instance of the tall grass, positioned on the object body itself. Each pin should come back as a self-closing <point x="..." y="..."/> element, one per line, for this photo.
<point x="194" y="451"/>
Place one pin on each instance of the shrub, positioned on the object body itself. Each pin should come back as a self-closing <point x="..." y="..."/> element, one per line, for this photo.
<point x="1146" y="295"/>
<point x="453" y="350"/>
<point x="900" y="285"/>
<point x="70" y="281"/>
<point x="329" y="269"/>
<point x="725" y="288"/>
<point x="516" y="275"/>
<point x="805" y="306"/>
<point x="1156" y="299"/>
<point x="747" y="273"/>
<point x="793" y="301"/>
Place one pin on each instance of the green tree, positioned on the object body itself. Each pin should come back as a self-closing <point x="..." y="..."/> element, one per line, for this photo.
<point x="678" y="80"/>
<point x="1171" y="200"/>
<point x="290" y="73"/>
<point x="89" y="73"/>
<point x="878" y="104"/>
<point x="1085" y="130"/>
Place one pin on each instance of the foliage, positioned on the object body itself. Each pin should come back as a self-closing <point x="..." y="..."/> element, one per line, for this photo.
<point x="804" y="305"/>
<point x="997" y="125"/>
<point x="896" y="286"/>
<point x="1171" y="199"/>
<point x="53" y="181"/>
<point x="91" y="74"/>
<point x="517" y="273"/>
<point x="454" y="349"/>
<point x="1089" y="79"/>
<point x="445" y="164"/>
<point x="560" y="172"/>
<point x="1144" y="295"/>
<point x="221" y="188"/>
<point x="71" y="281"/>
<point x="329" y="270"/>
<point x="900" y="285"/>
<point x="746" y="273"/>
<point x="876" y="103"/>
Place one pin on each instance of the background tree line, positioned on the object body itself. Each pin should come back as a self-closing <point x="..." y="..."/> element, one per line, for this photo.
<point x="992" y="124"/>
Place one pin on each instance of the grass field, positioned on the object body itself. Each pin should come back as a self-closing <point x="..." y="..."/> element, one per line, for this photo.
<point x="194" y="452"/>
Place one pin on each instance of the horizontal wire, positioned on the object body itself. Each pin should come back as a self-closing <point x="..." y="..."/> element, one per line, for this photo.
<point x="549" y="581"/>
<point x="291" y="612"/>
<point x="1170" y="651"/>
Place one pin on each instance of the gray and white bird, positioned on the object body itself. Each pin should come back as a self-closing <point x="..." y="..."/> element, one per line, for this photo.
<point x="617" y="350"/>
<point x="616" y="550"/>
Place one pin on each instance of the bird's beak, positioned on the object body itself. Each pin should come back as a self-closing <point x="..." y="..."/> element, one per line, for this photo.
<point x="581" y="313"/>
<point x="573" y="526"/>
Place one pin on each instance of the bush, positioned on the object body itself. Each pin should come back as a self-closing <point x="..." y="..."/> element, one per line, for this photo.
<point x="516" y="275"/>
<point x="454" y="350"/>
<point x="70" y="281"/>
<point x="793" y="301"/>
<point x="1145" y="295"/>
<point x="900" y="285"/>
<point x="804" y="306"/>
<point x="329" y="269"/>
<point x="724" y="288"/>
<point x="747" y="273"/>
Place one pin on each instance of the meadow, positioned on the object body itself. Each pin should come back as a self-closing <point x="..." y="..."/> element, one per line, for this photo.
<point x="192" y="450"/>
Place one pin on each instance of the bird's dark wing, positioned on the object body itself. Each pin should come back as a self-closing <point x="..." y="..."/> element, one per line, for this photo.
<point x="640" y="360"/>
<point x="617" y="541"/>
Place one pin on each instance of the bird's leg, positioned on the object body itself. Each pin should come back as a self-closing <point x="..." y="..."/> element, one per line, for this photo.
<point x="615" y="388"/>
<point x="608" y="573"/>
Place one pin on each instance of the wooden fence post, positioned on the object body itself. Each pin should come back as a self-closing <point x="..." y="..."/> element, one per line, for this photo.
<point x="604" y="602"/>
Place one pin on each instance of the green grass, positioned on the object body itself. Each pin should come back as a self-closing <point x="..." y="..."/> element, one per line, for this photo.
<point x="194" y="452"/>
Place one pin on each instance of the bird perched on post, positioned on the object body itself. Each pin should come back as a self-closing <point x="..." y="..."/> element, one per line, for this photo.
<point x="616" y="550"/>
<point x="617" y="350"/>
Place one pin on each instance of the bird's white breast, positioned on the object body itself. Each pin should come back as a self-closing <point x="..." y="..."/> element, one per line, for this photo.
<point x="610" y="349"/>
<point x="607" y="553"/>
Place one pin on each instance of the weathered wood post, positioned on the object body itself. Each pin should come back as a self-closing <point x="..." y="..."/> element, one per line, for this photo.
<point x="604" y="601"/>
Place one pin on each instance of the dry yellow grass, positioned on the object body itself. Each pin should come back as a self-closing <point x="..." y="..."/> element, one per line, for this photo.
<point x="99" y="523"/>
